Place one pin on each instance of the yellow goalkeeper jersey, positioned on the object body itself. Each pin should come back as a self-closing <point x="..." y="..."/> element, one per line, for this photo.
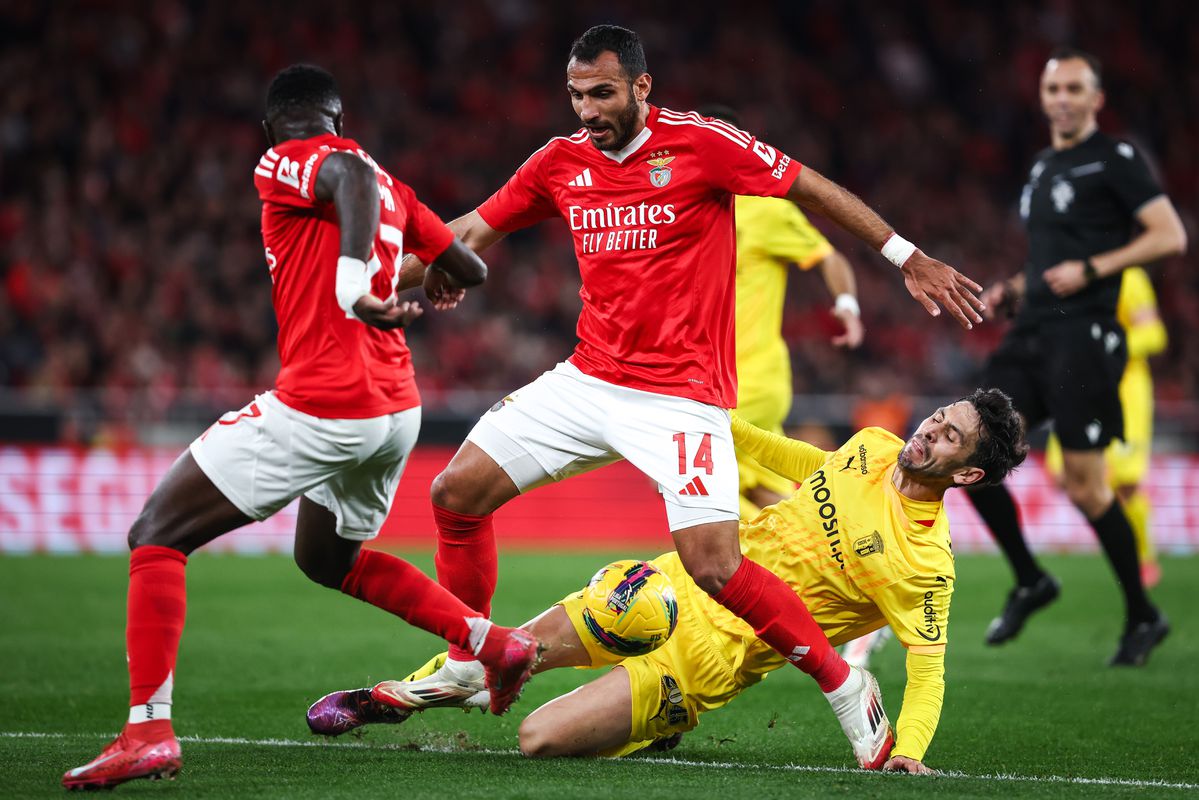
<point x="860" y="554"/>
<point x="772" y="233"/>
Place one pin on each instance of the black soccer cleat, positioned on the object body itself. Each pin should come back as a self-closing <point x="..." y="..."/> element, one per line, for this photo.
<point x="1138" y="640"/>
<point x="1021" y="603"/>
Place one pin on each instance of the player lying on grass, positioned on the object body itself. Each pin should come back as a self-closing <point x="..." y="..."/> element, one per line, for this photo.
<point x="864" y="541"/>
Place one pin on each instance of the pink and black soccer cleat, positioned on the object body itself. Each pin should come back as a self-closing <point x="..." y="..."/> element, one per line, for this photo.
<point x="340" y="712"/>
<point x="126" y="759"/>
<point x="508" y="656"/>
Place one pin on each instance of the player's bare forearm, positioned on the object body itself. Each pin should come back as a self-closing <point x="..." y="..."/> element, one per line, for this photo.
<point x="412" y="273"/>
<point x="838" y="275"/>
<point x="815" y="192"/>
<point x="352" y="186"/>
<point x="474" y="232"/>
<point x="461" y="265"/>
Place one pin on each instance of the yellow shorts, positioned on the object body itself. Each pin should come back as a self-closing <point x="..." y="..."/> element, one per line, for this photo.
<point x="694" y="672"/>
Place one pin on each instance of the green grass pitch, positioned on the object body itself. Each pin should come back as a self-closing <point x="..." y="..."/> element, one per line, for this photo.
<point x="261" y="643"/>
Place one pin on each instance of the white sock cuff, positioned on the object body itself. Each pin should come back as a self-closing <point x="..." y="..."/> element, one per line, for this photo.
<point x="147" y="712"/>
<point x="479" y="627"/>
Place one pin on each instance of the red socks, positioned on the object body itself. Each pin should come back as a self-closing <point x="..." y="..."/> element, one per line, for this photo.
<point x="394" y="585"/>
<point x="154" y="622"/>
<point x="467" y="563"/>
<point x="780" y="618"/>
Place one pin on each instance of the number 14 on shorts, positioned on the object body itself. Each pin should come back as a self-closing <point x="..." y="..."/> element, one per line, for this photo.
<point x="703" y="453"/>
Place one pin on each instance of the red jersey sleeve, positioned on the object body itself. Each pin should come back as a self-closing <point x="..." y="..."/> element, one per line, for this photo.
<point x="739" y="163"/>
<point x="287" y="174"/>
<point x="524" y="199"/>
<point x="425" y="235"/>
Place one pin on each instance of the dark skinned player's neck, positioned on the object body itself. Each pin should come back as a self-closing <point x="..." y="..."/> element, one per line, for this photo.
<point x="286" y="131"/>
<point x="303" y="131"/>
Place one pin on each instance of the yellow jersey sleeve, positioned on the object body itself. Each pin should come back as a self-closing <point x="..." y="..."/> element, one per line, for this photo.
<point x="1137" y="312"/>
<point x="922" y="700"/>
<point x="791" y="458"/>
<point x="780" y="230"/>
<point x="917" y="609"/>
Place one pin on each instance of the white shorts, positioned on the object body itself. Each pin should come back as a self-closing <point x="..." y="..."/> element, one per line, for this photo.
<point x="566" y="423"/>
<point x="268" y="454"/>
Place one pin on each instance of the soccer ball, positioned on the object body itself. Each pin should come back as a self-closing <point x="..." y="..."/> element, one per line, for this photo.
<point x="629" y="608"/>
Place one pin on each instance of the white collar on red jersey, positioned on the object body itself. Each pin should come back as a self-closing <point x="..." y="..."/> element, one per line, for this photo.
<point x="632" y="147"/>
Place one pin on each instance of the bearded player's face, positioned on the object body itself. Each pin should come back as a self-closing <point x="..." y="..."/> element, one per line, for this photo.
<point x="943" y="442"/>
<point x="607" y="102"/>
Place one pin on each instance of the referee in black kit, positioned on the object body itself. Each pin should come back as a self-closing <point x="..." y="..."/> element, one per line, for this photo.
<point x="1091" y="208"/>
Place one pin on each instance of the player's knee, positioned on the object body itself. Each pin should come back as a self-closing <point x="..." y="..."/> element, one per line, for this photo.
<point x="535" y="739"/>
<point x="441" y="491"/>
<point x="710" y="576"/>
<point x="1090" y="497"/>
<point x="455" y="491"/>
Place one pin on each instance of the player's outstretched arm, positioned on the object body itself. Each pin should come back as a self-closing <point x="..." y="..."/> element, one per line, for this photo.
<point x="476" y="235"/>
<point x="448" y="277"/>
<point x="839" y="278"/>
<point x="921" y="711"/>
<point x="791" y="458"/>
<point x="929" y="281"/>
<point x="352" y="186"/>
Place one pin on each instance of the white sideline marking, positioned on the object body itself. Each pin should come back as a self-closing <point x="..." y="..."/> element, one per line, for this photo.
<point x="679" y="762"/>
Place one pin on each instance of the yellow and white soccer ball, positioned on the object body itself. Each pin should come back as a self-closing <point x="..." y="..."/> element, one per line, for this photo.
<point x="629" y="607"/>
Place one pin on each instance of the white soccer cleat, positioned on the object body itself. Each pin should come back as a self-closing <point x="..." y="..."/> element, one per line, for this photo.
<point x="439" y="684"/>
<point x="858" y="704"/>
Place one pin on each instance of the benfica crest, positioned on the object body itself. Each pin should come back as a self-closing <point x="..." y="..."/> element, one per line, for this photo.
<point x="659" y="173"/>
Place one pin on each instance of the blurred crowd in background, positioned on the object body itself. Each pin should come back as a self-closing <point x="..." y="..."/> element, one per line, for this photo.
<point x="130" y="256"/>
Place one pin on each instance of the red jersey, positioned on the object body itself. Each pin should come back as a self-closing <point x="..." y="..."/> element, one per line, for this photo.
<point x="654" y="236"/>
<point x="332" y="365"/>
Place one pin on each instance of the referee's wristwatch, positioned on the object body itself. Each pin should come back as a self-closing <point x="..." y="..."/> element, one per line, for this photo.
<point x="1088" y="270"/>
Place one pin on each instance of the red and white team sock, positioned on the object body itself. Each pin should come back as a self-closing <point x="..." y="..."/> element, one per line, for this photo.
<point x="780" y="619"/>
<point x="398" y="587"/>
<point x="467" y="563"/>
<point x="155" y="613"/>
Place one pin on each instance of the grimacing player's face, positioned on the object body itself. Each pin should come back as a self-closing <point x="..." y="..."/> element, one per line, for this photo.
<point x="605" y="100"/>
<point x="1070" y="96"/>
<point x="943" y="442"/>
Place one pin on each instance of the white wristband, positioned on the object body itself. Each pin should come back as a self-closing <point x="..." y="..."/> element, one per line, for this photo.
<point x="847" y="302"/>
<point x="352" y="283"/>
<point x="897" y="249"/>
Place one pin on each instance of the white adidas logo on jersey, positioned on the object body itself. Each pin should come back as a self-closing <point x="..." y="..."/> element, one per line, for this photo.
<point x="582" y="179"/>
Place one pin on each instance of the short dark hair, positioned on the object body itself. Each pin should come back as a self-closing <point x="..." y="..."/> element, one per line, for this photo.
<point x="623" y="42"/>
<point x="1066" y="52"/>
<point x="1001" y="446"/>
<point x="301" y="88"/>
<point x="719" y="111"/>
